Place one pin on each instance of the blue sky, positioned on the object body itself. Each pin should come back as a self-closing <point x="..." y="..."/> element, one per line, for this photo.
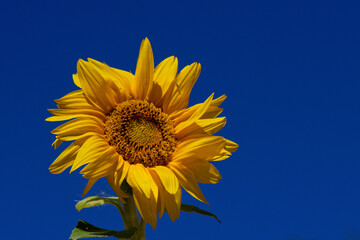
<point x="291" y="73"/>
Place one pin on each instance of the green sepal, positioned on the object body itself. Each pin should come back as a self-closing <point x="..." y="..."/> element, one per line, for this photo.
<point x="87" y="230"/>
<point x="97" y="201"/>
<point x="191" y="208"/>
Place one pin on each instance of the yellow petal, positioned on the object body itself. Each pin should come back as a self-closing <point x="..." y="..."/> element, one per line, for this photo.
<point x="201" y="126"/>
<point x="101" y="166"/>
<point x="57" y="143"/>
<point x="73" y="100"/>
<point x="115" y="180"/>
<point x="211" y="112"/>
<point x="168" y="179"/>
<point x="187" y="181"/>
<point x="211" y="126"/>
<point x="220" y="158"/>
<point x="185" y="80"/>
<point x="173" y="204"/>
<point x="214" y="110"/>
<point x="76" y="80"/>
<point x="119" y="193"/>
<point x="164" y="76"/>
<point x="161" y="192"/>
<point x="201" y="148"/>
<point x="146" y="207"/>
<point x="118" y="85"/>
<point x="201" y="110"/>
<point x="125" y="170"/>
<point x="92" y="149"/>
<point x="78" y="127"/>
<point x="139" y="178"/>
<point x="119" y="77"/>
<point x="144" y="71"/>
<point x="178" y="196"/>
<point x="88" y="186"/>
<point x="196" y="115"/>
<point x="75" y="137"/>
<point x="71" y="96"/>
<point x="124" y="79"/>
<point x="66" y="114"/>
<point x="204" y="171"/>
<point x="66" y="158"/>
<point x="97" y="90"/>
<point x="231" y="146"/>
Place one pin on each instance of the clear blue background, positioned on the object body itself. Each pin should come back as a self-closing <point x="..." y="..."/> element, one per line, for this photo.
<point x="291" y="73"/>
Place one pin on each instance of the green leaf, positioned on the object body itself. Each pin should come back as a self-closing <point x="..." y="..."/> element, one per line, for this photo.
<point x="191" y="208"/>
<point x="87" y="230"/>
<point x="97" y="201"/>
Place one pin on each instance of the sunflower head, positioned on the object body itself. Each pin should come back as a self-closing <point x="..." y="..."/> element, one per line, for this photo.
<point x="138" y="129"/>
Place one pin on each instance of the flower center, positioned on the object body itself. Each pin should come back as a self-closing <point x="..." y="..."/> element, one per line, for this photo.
<point x="141" y="133"/>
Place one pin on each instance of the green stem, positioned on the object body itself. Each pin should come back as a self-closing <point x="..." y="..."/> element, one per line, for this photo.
<point x="130" y="216"/>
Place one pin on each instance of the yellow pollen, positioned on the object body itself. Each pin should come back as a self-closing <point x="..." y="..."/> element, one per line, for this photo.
<point x="141" y="133"/>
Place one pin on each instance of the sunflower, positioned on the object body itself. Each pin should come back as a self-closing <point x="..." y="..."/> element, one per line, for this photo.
<point x="137" y="129"/>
